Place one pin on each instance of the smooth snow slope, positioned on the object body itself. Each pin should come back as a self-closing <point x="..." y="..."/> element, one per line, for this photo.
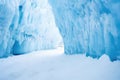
<point x="54" y="65"/>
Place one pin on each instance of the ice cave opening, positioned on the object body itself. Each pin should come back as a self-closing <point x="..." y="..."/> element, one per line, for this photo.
<point x="60" y="39"/>
<point x="89" y="27"/>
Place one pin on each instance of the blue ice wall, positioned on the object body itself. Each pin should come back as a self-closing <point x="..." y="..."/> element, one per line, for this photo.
<point x="25" y="26"/>
<point x="8" y="23"/>
<point x="89" y="26"/>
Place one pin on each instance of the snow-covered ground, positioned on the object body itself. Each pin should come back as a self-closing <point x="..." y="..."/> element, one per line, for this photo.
<point x="54" y="65"/>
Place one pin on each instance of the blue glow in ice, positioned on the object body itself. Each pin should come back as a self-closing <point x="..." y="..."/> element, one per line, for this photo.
<point x="89" y="26"/>
<point x="25" y="26"/>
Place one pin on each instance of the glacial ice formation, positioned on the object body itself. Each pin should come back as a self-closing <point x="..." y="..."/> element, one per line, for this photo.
<point x="25" y="26"/>
<point x="89" y="26"/>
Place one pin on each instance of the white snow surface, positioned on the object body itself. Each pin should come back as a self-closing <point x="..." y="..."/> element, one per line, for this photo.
<point x="54" y="65"/>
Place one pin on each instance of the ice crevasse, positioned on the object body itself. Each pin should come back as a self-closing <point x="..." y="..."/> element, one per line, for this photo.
<point x="89" y="26"/>
<point x="25" y="26"/>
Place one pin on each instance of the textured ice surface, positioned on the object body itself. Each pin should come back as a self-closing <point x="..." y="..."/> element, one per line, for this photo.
<point x="89" y="26"/>
<point x="26" y="25"/>
<point x="8" y="24"/>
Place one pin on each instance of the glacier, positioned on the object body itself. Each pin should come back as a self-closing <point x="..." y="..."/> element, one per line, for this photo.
<point x="25" y="26"/>
<point x="91" y="27"/>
